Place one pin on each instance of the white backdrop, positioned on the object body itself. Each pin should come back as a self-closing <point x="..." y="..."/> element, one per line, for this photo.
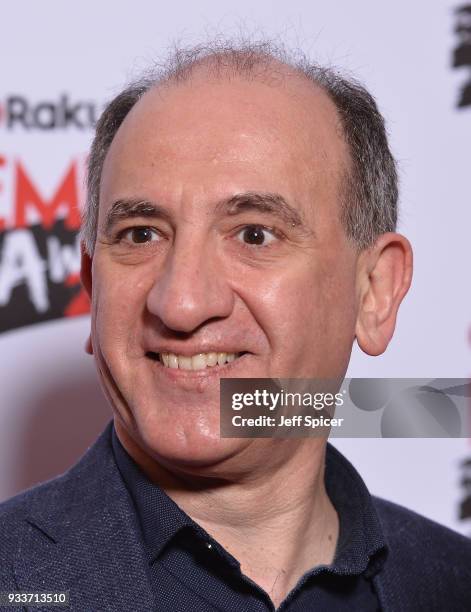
<point x="50" y="405"/>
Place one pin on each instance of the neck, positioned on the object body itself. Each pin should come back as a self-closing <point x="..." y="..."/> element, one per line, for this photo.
<point x="277" y="521"/>
<point x="278" y="527"/>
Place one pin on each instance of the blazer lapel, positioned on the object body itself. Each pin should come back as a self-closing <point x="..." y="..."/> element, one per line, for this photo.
<point x="82" y="536"/>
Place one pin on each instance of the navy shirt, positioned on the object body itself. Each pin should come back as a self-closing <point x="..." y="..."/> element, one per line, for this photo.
<point x="190" y="570"/>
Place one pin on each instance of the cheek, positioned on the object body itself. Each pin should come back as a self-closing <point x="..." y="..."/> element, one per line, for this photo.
<point x="281" y="304"/>
<point x="307" y="317"/>
<point x="118" y="303"/>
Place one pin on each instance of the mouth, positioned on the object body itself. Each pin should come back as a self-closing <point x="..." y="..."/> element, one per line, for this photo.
<point x="197" y="362"/>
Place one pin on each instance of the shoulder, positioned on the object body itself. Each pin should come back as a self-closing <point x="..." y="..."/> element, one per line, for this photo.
<point x="14" y="525"/>
<point x="410" y="533"/>
<point x="53" y="502"/>
<point x="428" y="565"/>
<point x="16" y="509"/>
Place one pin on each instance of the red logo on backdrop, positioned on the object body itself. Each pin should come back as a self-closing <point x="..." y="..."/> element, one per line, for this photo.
<point x="39" y="249"/>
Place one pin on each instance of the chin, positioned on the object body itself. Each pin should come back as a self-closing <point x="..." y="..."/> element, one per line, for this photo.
<point x="190" y="445"/>
<point x="209" y="457"/>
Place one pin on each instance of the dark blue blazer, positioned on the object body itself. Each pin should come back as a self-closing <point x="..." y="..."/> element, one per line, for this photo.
<point x="79" y="533"/>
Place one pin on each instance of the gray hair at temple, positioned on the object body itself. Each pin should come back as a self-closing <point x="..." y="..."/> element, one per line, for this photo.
<point x="369" y="189"/>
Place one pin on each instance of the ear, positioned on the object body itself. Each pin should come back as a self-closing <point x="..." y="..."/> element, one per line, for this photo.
<point x="86" y="270"/>
<point x="86" y="278"/>
<point x="385" y="274"/>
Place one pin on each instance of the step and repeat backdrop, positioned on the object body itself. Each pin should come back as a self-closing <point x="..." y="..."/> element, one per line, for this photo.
<point x="61" y="62"/>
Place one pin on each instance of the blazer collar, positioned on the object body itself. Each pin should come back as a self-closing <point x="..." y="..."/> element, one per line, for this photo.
<point x="82" y="536"/>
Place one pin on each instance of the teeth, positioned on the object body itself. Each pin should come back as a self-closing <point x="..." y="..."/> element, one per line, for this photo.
<point x="196" y="362"/>
<point x="184" y="363"/>
<point x="211" y="359"/>
<point x="172" y="361"/>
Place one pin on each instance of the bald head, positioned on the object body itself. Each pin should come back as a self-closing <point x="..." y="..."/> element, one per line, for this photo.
<point x="231" y="81"/>
<point x="214" y="138"/>
<point x="212" y="117"/>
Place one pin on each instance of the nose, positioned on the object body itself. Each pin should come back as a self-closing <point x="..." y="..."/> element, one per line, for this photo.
<point x="191" y="288"/>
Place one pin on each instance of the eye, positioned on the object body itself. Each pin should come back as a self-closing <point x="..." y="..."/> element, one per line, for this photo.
<point x="256" y="235"/>
<point x="140" y="235"/>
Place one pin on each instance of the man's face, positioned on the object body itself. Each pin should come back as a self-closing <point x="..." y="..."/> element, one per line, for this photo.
<point x="219" y="233"/>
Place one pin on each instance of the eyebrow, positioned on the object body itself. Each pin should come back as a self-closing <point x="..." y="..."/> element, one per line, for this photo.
<point x="271" y="203"/>
<point x="127" y="209"/>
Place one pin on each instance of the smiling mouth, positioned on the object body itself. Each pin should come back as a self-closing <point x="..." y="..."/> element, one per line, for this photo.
<point x="200" y="361"/>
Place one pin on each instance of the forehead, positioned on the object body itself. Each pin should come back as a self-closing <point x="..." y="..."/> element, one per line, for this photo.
<point x="231" y="128"/>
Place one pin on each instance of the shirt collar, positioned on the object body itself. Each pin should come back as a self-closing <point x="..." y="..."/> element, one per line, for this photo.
<point x="361" y="547"/>
<point x="160" y="517"/>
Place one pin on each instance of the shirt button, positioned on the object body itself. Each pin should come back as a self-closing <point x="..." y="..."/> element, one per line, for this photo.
<point x="208" y="545"/>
